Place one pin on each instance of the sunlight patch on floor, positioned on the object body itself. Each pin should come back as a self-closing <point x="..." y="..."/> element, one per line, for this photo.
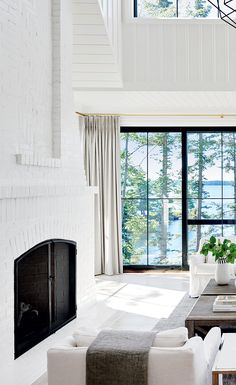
<point x="146" y="301"/>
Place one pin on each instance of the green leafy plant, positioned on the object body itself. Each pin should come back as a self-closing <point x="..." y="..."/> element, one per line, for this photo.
<point x="222" y="251"/>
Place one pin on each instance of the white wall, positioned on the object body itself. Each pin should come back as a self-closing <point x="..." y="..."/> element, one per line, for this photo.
<point x="174" y="55"/>
<point x="25" y="65"/>
<point x="41" y="197"/>
<point x="175" y="121"/>
<point x="97" y="44"/>
<point x="111" y="11"/>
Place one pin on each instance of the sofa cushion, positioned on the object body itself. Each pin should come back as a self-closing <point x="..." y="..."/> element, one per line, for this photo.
<point x="167" y="338"/>
<point x="210" y="259"/>
<point x="85" y="336"/>
<point x="171" y="338"/>
<point x="83" y="340"/>
<point x="206" y="268"/>
<point x="209" y="268"/>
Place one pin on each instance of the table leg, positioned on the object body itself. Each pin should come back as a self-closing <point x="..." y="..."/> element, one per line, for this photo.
<point x="215" y="378"/>
<point x="190" y="326"/>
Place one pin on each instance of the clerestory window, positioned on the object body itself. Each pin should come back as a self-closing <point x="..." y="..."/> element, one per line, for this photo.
<point x="162" y="9"/>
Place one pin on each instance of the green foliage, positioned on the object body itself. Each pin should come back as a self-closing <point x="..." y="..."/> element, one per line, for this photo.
<point x="204" y="152"/>
<point x="200" y="9"/>
<point x="160" y="8"/>
<point x="222" y="251"/>
<point x="133" y="228"/>
<point x="204" y="148"/>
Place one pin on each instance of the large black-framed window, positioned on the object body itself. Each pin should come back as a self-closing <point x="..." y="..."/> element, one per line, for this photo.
<point x="178" y="185"/>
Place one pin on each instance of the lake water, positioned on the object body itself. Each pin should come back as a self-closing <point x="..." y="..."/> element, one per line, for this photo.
<point x="174" y="246"/>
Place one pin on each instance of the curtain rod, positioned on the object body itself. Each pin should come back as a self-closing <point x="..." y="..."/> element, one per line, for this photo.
<point x="221" y="115"/>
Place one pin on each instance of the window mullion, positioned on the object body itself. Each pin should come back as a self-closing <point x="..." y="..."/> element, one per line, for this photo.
<point x="184" y="201"/>
<point x="147" y="206"/>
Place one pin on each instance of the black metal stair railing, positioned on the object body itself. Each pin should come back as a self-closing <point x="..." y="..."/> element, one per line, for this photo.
<point x="226" y="10"/>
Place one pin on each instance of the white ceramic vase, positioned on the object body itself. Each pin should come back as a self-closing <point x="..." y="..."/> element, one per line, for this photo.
<point x="222" y="273"/>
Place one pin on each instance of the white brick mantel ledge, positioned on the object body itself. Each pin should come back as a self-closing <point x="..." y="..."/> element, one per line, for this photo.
<point x="15" y="192"/>
<point x="37" y="160"/>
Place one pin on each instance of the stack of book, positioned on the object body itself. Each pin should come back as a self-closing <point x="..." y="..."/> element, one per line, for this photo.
<point x="224" y="303"/>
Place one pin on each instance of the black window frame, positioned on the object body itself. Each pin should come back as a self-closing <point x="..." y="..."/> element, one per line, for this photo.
<point x="135" y="8"/>
<point x="185" y="221"/>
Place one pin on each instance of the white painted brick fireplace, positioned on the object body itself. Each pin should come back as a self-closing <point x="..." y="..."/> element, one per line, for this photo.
<point x="43" y="192"/>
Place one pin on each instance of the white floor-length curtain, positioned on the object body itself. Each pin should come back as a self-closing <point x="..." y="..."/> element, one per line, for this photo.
<point x="101" y="147"/>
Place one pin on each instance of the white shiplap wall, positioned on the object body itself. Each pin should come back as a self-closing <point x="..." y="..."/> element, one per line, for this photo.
<point x="96" y="43"/>
<point x="157" y="55"/>
<point x="174" y="55"/>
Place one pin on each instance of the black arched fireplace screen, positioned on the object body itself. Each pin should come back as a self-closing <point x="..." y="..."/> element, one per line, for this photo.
<point x="45" y="292"/>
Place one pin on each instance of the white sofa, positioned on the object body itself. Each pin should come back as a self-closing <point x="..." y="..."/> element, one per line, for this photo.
<point x="189" y="364"/>
<point x="202" y="269"/>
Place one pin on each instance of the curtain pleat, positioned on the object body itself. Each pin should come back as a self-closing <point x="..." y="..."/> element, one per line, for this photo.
<point x="101" y="147"/>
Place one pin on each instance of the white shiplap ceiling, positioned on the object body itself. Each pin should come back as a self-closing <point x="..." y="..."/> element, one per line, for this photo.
<point x="151" y="102"/>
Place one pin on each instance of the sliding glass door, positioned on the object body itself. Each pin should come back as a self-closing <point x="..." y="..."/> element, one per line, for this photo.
<point x="178" y="185"/>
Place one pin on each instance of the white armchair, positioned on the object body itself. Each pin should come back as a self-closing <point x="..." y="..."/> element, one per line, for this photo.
<point x="189" y="364"/>
<point x="202" y="269"/>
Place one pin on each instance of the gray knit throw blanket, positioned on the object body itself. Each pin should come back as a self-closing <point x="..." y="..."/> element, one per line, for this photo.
<point x="119" y="357"/>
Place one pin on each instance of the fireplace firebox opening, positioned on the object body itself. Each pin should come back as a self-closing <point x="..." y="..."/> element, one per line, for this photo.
<point x="45" y="292"/>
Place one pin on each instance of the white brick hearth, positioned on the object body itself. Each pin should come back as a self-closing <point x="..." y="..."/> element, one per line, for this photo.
<point x="43" y="192"/>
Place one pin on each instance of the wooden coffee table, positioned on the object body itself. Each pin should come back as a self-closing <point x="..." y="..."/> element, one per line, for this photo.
<point x="225" y="362"/>
<point x="213" y="289"/>
<point x="201" y="318"/>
